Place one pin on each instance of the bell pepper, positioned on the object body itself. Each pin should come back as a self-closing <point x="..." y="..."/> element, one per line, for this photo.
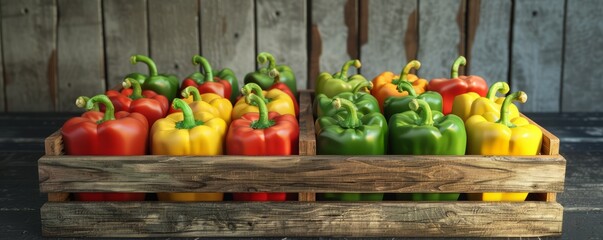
<point x="386" y="84"/>
<point x="364" y="102"/>
<point x="457" y="85"/>
<point x="331" y="85"/>
<point x="207" y="102"/>
<point x="352" y="135"/>
<point x="400" y="104"/>
<point x="275" y="100"/>
<point x="426" y="132"/>
<point x="469" y="104"/>
<point x="107" y="134"/>
<point x="163" y="84"/>
<point x="262" y="76"/>
<point x="262" y="133"/>
<point x="212" y="81"/>
<point x="188" y="133"/>
<point x="504" y="136"/>
<point x="283" y="87"/>
<point x="132" y="99"/>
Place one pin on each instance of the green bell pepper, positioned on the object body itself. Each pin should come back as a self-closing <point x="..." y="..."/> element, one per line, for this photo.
<point x="353" y="135"/>
<point x="397" y="104"/>
<point x="164" y="84"/>
<point x="331" y="85"/>
<point x="426" y="133"/>
<point x="262" y="76"/>
<point x="365" y="102"/>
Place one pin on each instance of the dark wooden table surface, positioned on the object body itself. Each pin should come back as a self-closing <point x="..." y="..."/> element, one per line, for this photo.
<point x="22" y="136"/>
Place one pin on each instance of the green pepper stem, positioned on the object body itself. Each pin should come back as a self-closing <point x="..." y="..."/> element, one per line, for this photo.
<point x="263" y="122"/>
<point x="276" y="75"/>
<point x="455" y="66"/>
<point x="81" y="103"/>
<point x="148" y="61"/>
<point x="501" y="87"/>
<point x="264" y="57"/>
<point x="412" y="64"/>
<point x="209" y="75"/>
<point x="351" y="120"/>
<point x="109" y="108"/>
<point x="364" y="84"/>
<point x="426" y="114"/>
<point x="346" y="67"/>
<point x="407" y="86"/>
<point x="505" y="114"/>
<point x="191" y="90"/>
<point x="253" y="88"/>
<point x="188" y="121"/>
<point x="135" y="85"/>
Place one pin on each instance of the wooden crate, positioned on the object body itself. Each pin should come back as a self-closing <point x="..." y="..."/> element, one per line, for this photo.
<point x="542" y="176"/>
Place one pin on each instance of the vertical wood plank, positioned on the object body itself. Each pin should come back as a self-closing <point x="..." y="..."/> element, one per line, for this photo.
<point x="2" y="93"/>
<point x="29" y="44"/>
<point x="537" y="53"/>
<point x="390" y="37"/>
<point x="174" y="35"/>
<point x="126" y="34"/>
<point x="228" y="36"/>
<point x="489" y="34"/>
<point x="334" y="36"/>
<point x="282" y="31"/>
<point x="81" y="68"/>
<point x="583" y="56"/>
<point x="441" y="36"/>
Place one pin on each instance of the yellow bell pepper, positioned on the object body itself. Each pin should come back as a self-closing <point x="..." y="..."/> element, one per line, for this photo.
<point x="188" y="133"/>
<point x="504" y="136"/>
<point x="471" y="103"/>
<point x="275" y="99"/>
<point x="209" y="102"/>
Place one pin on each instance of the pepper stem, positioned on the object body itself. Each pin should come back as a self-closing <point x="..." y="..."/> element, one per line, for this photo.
<point x="209" y="75"/>
<point x="346" y="66"/>
<point x="135" y="85"/>
<point x="407" y="86"/>
<point x="426" y="114"/>
<point x="254" y="88"/>
<point x="189" y="118"/>
<point x="410" y="65"/>
<point x="351" y="120"/>
<point x="264" y="57"/>
<point x="191" y="90"/>
<point x="276" y="75"/>
<point x="148" y="61"/>
<point x="460" y="61"/>
<point x="263" y="122"/>
<point x="81" y="103"/>
<point x="364" y="84"/>
<point x="501" y="87"/>
<point x="109" y="108"/>
<point x="519" y="96"/>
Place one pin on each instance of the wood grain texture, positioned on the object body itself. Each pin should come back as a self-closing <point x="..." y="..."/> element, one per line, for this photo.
<point x="294" y="219"/>
<point x="488" y="40"/>
<point x="537" y="53"/>
<point x="29" y="48"/>
<point x="174" y="35"/>
<point x="390" y="34"/>
<point x="81" y="70"/>
<point x="319" y="173"/>
<point x="583" y="56"/>
<point x="53" y="144"/>
<point x="307" y="140"/>
<point x="281" y="28"/>
<point x="125" y="34"/>
<point x="441" y="36"/>
<point x="2" y="93"/>
<point x="334" y="26"/>
<point x="228" y="36"/>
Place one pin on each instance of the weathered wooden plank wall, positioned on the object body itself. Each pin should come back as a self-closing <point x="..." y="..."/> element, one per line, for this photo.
<point x="68" y="48"/>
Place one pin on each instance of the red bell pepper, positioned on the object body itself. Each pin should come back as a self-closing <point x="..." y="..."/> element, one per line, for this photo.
<point x="263" y="133"/>
<point x="283" y="87"/>
<point x="457" y="85"/>
<point x="207" y="83"/>
<point x="132" y="99"/>
<point x="109" y="134"/>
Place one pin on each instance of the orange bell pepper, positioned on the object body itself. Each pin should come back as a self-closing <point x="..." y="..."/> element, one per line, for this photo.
<point x="386" y="84"/>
